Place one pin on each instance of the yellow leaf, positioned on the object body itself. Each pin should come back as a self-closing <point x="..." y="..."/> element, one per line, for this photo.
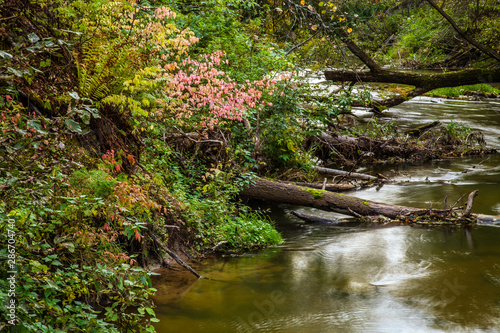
<point x="314" y="27"/>
<point x="302" y="2"/>
<point x="349" y="30"/>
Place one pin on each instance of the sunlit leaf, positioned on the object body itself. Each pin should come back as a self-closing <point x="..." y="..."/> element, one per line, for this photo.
<point x="73" y="126"/>
<point x="74" y="94"/>
<point x="5" y="55"/>
<point x="33" y="38"/>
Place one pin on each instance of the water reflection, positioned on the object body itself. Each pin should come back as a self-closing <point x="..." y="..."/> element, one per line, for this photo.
<point x="335" y="279"/>
<point x="400" y="279"/>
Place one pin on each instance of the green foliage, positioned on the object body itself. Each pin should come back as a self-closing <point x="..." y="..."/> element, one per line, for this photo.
<point x="96" y="183"/>
<point x="477" y="89"/>
<point x="218" y="218"/>
<point x="219" y="28"/>
<point x="457" y="130"/>
<point x="210" y="206"/>
<point x="65" y="260"/>
<point x="378" y="129"/>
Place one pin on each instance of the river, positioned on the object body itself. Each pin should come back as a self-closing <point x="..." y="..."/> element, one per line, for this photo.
<point x="336" y="279"/>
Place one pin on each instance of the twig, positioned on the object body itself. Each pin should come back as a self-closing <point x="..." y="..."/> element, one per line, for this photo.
<point x="219" y="244"/>
<point x="300" y="44"/>
<point x="451" y="208"/>
<point x="7" y="18"/>
<point x="354" y="213"/>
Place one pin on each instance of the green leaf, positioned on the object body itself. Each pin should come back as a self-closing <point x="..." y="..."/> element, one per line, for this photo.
<point x="35" y="124"/>
<point x="154" y="320"/>
<point x="15" y="72"/>
<point x="56" y="263"/>
<point x="5" y="55"/>
<point x="73" y="126"/>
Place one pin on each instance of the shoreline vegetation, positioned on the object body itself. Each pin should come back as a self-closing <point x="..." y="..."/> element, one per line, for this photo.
<point x="129" y="131"/>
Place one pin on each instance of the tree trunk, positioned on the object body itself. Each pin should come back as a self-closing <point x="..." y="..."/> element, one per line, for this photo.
<point x="328" y="187"/>
<point x="425" y="81"/>
<point x="268" y="190"/>
<point x="422" y="82"/>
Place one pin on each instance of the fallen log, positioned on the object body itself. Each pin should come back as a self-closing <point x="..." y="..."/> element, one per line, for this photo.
<point x="344" y="223"/>
<point x="347" y="174"/>
<point x="483" y="219"/>
<point x="267" y="190"/>
<point x="328" y="187"/>
<point x="422" y="82"/>
<point x="315" y="219"/>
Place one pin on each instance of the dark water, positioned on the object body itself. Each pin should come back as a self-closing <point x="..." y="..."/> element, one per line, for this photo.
<point x="335" y="279"/>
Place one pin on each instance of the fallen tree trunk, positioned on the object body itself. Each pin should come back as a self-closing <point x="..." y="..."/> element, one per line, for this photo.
<point x="344" y="223"/>
<point x="267" y="190"/>
<point x="346" y="174"/>
<point x="328" y="187"/>
<point x="427" y="81"/>
<point x="422" y="82"/>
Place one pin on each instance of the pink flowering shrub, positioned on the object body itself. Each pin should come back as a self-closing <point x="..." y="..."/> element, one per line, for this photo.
<point x="204" y="92"/>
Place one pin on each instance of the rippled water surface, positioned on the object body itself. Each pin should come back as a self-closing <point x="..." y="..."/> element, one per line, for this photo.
<point x="336" y="279"/>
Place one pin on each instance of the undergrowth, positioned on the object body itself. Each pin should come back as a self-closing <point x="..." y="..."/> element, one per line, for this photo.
<point x="472" y="90"/>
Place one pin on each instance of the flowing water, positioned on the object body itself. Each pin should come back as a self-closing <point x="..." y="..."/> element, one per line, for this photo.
<point x="336" y="279"/>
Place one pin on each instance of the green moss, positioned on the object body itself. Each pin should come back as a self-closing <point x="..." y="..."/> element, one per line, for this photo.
<point x="317" y="194"/>
<point x="365" y="203"/>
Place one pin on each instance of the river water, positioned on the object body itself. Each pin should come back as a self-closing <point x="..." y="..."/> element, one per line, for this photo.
<point x="336" y="279"/>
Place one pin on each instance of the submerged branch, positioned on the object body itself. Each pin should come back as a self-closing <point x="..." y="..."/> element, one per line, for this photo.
<point x="173" y="255"/>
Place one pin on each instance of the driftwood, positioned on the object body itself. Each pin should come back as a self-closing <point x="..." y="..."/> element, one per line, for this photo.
<point x="267" y="190"/>
<point x="347" y="174"/>
<point x="343" y="223"/>
<point x="488" y="219"/>
<point x="172" y="254"/>
<point x="470" y="200"/>
<point x="315" y="219"/>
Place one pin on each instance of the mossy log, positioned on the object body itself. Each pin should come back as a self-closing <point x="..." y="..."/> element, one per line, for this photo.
<point x="328" y="187"/>
<point x="273" y="191"/>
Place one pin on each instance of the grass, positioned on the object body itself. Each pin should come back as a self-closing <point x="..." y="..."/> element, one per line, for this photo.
<point x="464" y="91"/>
